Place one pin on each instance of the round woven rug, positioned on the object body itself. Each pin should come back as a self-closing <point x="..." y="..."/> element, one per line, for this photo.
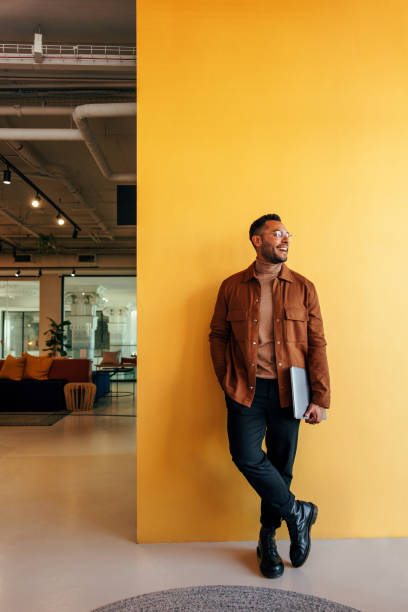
<point x="219" y="597"/>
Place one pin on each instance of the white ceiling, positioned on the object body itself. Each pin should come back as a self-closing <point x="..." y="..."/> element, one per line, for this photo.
<point x="91" y="200"/>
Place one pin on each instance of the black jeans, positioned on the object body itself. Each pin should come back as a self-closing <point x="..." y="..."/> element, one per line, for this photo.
<point x="269" y="474"/>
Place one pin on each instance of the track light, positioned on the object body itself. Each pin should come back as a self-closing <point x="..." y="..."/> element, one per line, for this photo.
<point x="39" y="273"/>
<point x="73" y="273"/>
<point x="60" y="220"/>
<point x="17" y="273"/>
<point x="75" y="233"/>
<point x="7" y="177"/>
<point x="35" y="202"/>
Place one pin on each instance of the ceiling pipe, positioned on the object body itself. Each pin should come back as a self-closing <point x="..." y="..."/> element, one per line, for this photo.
<point x="33" y="111"/>
<point x="81" y="115"/>
<point x="39" y="134"/>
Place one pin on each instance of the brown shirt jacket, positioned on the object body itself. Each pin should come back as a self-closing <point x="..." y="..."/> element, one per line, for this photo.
<point x="298" y="334"/>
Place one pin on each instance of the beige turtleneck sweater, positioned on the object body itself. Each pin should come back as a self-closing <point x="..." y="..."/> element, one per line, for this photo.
<point x="266" y="366"/>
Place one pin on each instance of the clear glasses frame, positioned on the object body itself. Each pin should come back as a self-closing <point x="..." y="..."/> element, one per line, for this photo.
<point x="279" y="234"/>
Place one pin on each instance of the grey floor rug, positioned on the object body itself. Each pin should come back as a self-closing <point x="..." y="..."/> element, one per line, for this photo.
<point x="28" y="419"/>
<point x="215" y="598"/>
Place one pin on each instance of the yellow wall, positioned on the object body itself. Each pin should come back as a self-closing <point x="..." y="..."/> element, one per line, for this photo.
<point x="300" y="108"/>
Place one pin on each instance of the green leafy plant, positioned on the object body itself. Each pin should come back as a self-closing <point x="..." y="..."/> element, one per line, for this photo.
<point x="46" y="243"/>
<point x="56" y="342"/>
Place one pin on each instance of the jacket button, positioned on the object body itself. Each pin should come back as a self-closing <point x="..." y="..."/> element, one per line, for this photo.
<point x="279" y="364"/>
<point x="255" y="320"/>
<point x="277" y="320"/>
<point x="254" y="343"/>
<point x="252" y="364"/>
<point x="251" y="388"/>
<point x="278" y="342"/>
<point x="257" y="300"/>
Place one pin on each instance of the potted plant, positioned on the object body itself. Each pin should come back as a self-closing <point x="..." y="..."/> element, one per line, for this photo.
<point x="56" y="342"/>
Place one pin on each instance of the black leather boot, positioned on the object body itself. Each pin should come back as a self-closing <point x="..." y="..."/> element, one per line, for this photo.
<point x="270" y="562"/>
<point x="299" y="521"/>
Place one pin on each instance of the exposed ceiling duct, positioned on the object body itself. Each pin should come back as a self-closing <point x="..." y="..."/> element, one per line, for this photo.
<point x="80" y="115"/>
<point x="87" y="111"/>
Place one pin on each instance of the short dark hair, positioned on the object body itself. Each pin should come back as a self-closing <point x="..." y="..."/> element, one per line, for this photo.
<point x="257" y="225"/>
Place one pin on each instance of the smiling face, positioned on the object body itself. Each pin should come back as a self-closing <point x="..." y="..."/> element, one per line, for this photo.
<point x="269" y="248"/>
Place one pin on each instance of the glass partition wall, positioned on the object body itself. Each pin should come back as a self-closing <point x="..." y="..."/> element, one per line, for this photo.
<point x="19" y="317"/>
<point x="102" y="311"/>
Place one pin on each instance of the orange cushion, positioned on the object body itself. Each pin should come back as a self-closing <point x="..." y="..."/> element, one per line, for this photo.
<point x="37" y="367"/>
<point x="110" y="358"/>
<point x="13" y="368"/>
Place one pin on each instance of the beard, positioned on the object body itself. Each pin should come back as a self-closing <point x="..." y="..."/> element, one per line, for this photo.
<point x="272" y="255"/>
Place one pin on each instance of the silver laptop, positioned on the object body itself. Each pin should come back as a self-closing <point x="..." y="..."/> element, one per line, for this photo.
<point x="301" y="396"/>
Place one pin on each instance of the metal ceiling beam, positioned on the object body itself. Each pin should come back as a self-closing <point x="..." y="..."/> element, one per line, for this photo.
<point x="12" y="244"/>
<point x="56" y="173"/>
<point x="15" y="219"/>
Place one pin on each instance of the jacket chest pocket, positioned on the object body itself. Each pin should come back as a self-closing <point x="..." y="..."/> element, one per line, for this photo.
<point x="239" y="323"/>
<point x="296" y="324"/>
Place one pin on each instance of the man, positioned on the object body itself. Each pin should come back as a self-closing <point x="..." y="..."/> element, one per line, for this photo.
<point x="266" y="319"/>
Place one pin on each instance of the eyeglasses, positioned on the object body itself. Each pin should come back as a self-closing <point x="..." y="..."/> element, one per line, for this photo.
<point x="279" y="234"/>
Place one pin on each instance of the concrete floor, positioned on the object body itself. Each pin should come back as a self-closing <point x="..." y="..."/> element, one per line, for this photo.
<point x="68" y="531"/>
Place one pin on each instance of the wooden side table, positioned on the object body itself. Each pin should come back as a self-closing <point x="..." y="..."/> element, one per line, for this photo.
<point x="79" y="396"/>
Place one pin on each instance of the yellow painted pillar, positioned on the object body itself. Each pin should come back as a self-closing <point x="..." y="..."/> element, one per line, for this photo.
<point x="246" y="108"/>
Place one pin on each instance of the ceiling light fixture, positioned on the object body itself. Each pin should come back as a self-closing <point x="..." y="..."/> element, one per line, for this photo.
<point x="75" y="233"/>
<point x="39" y="273"/>
<point x="17" y="273"/>
<point x="60" y="220"/>
<point x="35" y="202"/>
<point x="7" y="177"/>
<point x="73" y="273"/>
<point x="40" y="196"/>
